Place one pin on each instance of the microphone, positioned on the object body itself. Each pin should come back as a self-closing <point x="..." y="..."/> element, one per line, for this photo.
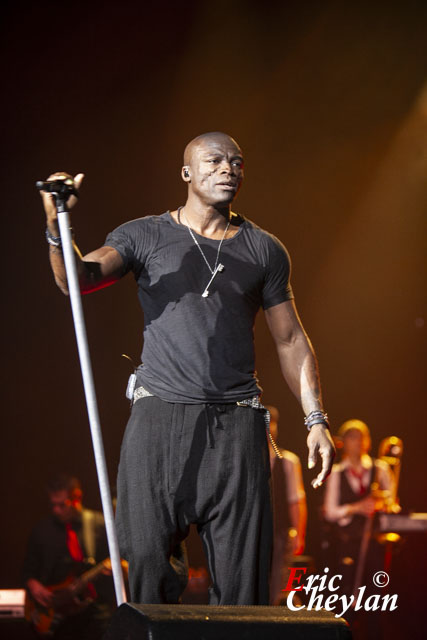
<point x="63" y="188"/>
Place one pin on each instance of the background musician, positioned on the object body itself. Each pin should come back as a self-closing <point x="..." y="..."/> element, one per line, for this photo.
<point x="359" y="486"/>
<point x="62" y="546"/>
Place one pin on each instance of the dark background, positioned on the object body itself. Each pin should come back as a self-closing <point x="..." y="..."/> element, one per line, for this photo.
<point x="329" y="103"/>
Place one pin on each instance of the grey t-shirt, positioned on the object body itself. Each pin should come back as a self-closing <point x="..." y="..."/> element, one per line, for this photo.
<point x="200" y="349"/>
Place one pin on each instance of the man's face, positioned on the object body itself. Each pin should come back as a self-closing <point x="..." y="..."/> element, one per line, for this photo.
<point x="216" y="170"/>
<point x="61" y="506"/>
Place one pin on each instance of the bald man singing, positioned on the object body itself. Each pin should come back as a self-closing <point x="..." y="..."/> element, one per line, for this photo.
<point x="195" y="448"/>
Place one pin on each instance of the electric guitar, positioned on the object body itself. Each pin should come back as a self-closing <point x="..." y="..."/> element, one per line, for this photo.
<point x="69" y="598"/>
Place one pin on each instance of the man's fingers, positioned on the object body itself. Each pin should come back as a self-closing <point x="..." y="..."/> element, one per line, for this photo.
<point x="44" y="597"/>
<point x="327" y="460"/>
<point x="58" y="175"/>
<point x="320" y="442"/>
<point x="48" y="198"/>
<point x="312" y="455"/>
<point x="78" y="179"/>
<point x="317" y="482"/>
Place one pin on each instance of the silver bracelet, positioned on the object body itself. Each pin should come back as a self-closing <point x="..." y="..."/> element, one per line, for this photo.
<point x="316" y="417"/>
<point x="53" y="240"/>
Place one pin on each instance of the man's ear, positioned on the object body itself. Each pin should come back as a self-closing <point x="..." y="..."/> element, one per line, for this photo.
<point x="185" y="173"/>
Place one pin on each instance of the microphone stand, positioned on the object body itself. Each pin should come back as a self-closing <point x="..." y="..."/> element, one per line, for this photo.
<point x="92" y="408"/>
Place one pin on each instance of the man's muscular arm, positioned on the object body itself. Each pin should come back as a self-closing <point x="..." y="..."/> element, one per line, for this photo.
<point x="97" y="269"/>
<point x="299" y="368"/>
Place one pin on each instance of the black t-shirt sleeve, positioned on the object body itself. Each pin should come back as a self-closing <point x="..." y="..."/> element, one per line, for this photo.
<point x="277" y="287"/>
<point x="132" y="240"/>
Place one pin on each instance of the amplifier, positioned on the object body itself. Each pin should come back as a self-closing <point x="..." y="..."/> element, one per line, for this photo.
<point x="12" y="603"/>
<point x="203" y="622"/>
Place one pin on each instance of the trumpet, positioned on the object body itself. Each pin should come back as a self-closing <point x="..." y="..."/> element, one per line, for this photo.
<point x="390" y="451"/>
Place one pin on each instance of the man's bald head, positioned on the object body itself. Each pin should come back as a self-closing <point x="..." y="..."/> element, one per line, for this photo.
<point x="205" y="138"/>
<point x="213" y="169"/>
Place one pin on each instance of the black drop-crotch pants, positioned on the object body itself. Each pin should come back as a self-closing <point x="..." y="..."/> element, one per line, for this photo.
<point x="206" y="464"/>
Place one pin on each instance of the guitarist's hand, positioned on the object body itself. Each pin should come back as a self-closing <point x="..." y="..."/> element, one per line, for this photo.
<point x="41" y="594"/>
<point x="81" y="604"/>
<point x="108" y="569"/>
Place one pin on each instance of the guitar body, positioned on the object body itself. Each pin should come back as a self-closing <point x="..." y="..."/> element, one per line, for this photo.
<point x="70" y="597"/>
<point x="65" y="603"/>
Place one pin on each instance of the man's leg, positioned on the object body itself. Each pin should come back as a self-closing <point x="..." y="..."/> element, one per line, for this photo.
<point x="236" y="523"/>
<point x="146" y="523"/>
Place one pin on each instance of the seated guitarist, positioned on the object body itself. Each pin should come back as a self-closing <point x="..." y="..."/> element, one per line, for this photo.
<point x="61" y="547"/>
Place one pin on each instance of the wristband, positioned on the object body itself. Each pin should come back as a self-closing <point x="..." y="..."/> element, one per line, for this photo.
<point x="316" y="417"/>
<point x="53" y="240"/>
<point x="56" y="241"/>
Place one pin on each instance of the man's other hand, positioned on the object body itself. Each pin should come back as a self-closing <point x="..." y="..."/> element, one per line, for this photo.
<point x="319" y="441"/>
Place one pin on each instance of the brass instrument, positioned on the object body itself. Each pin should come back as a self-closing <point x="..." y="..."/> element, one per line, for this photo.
<point x="390" y="451"/>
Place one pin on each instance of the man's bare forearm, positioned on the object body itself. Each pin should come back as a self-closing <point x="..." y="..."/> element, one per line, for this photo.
<point x="296" y="355"/>
<point x="58" y="267"/>
<point x="55" y="249"/>
<point x="57" y="263"/>
<point x="96" y="270"/>
<point x="300" y="370"/>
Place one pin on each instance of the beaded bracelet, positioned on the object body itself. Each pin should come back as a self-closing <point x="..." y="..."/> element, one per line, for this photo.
<point x="53" y="240"/>
<point x="316" y="417"/>
<point x="56" y="241"/>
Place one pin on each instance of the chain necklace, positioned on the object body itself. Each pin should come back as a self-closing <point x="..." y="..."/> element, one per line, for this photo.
<point x="218" y="267"/>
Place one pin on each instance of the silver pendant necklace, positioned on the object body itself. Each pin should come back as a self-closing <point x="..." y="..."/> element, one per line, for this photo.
<point x="218" y="267"/>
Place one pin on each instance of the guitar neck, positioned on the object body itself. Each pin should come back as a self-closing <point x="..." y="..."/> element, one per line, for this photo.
<point x="89" y="576"/>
